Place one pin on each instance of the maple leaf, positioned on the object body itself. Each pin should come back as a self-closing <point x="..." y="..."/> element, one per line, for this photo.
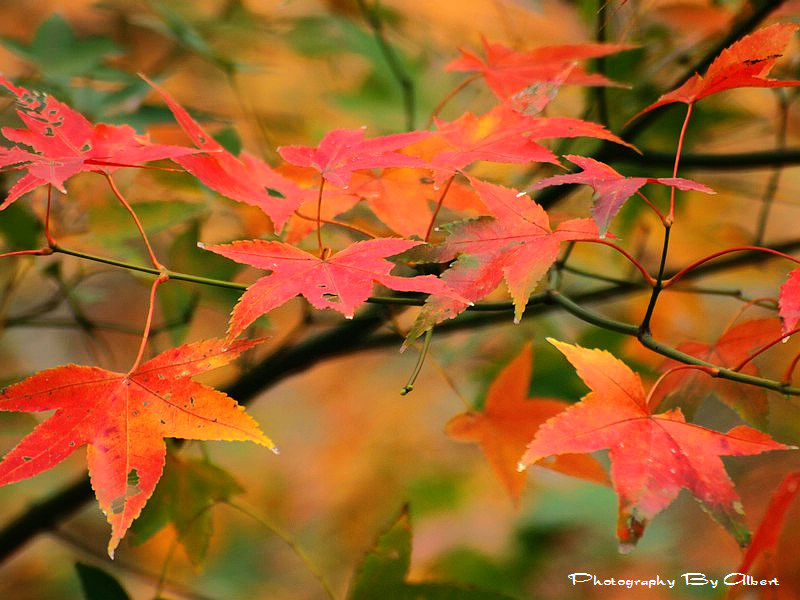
<point x="766" y="537"/>
<point x="341" y="282"/>
<point x="516" y="244"/>
<point x="653" y="456"/>
<point x="507" y="71"/>
<point x="509" y="421"/>
<point x="497" y="136"/>
<point x="789" y="301"/>
<point x="342" y="151"/>
<point x="400" y="197"/>
<point x="690" y="387"/>
<point x="384" y="569"/>
<point x="244" y="179"/>
<point x="745" y="63"/>
<point x="64" y="143"/>
<point x="335" y="200"/>
<point x="505" y="135"/>
<point x="611" y="189"/>
<point x="123" y="420"/>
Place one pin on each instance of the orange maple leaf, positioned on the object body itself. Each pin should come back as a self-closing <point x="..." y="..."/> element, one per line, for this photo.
<point x="745" y="63"/>
<point x="123" y="420"/>
<point x="509" y="421"/>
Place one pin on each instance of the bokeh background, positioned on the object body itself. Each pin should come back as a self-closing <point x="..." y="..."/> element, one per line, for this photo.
<point x="265" y="73"/>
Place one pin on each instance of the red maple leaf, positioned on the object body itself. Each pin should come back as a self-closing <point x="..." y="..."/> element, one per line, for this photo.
<point x="505" y="135"/>
<point x="611" y="188"/>
<point x="400" y="197"/>
<point x="342" y="151"/>
<point x="341" y="282"/>
<point x="690" y="387"/>
<point x="766" y="538"/>
<point x="745" y="63"/>
<point x="509" y="421"/>
<point x="507" y="71"/>
<point x="516" y="244"/>
<point x="123" y="420"/>
<point x="789" y="301"/>
<point x="653" y="456"/>
<point x="244" y="179"/>
<point x="63" y="143"/>
<point x="305" y="196"/>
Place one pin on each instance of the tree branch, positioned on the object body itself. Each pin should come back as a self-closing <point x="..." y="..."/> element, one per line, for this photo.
<point x="748" y="19"/>
<point x="348" y="337"/>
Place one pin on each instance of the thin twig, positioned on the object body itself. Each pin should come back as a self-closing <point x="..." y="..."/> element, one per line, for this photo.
<point x="392" y="60"/>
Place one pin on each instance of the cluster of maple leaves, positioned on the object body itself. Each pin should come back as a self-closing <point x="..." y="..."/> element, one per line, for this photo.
<point x="406" y="179"/>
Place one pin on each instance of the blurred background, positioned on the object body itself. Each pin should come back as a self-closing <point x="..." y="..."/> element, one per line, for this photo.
<point x="260" y="74"/>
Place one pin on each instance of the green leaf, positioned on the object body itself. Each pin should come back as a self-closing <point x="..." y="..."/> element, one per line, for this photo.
<point x="184" y="496"/>
<point x="382" y="573"/>
<point x="99" y="585"/>
<point x="59" y="54"/>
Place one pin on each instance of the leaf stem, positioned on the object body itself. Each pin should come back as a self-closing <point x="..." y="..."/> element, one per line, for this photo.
<point x="50" y="239"/>
<point x="136" y="220"/>
<point x="681" y="137"/>
<point x="319" y="217"/>
<point x="783" y="337"/>
<point x="787" y="376"/>
<point x="149" y="320"/>
<point x="439" y="206"/>
<point x="705" y="259"/>
<point x="450" y="95"/>
<point x="709" y="370"/>
<point x="647" y="277"/>
<point x="660" y="215"/>
<point x="409" y="386"/>
<point x="38" y="252"/>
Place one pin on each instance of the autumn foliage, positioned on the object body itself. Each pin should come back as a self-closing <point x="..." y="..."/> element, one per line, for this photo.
<point x="457" y="220"/>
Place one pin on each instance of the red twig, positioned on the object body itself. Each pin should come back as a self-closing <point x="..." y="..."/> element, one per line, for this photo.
<point x="647" y="277"/>
<point x="449" y="96"/>
<point x="439" y="206"/>
<point x="355" y="228"/>
<point x="705" y="259"/>
<point x="319" y="217"/>
<point x="148" y="321"/>
<point x="50" y="239"/>
<point x="136" y="220"/>
<point x="39" y="252"/>
<point x="765" y="347"/>
<point x="712" y="371"/>
<point x="671" y="215"/>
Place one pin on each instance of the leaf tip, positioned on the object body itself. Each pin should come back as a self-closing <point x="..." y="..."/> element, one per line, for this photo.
<point x="626" y="547"/>
<point x="112" y="546"/>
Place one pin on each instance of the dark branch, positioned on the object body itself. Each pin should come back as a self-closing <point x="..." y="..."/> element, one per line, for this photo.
<point x="748" y="19"/>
